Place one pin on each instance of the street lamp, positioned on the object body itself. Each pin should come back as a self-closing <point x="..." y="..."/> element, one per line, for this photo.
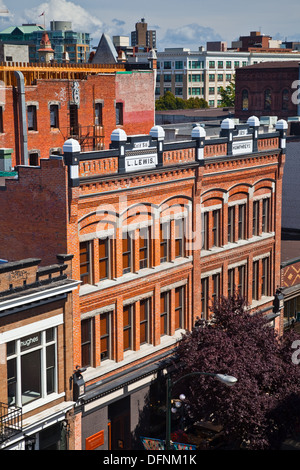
<point x="228" y="380"/>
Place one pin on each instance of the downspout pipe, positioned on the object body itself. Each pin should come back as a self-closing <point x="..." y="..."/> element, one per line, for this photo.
<point x="22" y="117"/>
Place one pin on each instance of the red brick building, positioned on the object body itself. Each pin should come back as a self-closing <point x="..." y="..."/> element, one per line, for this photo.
<point x="42" y="105"/>
<point x="267" y="89"/>
<point x="158" y="230"/>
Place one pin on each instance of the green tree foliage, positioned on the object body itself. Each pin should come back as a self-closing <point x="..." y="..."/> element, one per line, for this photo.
<point x="263" y="407"/>
<point x="228" y="95"/>
<point x="169" y="102"/>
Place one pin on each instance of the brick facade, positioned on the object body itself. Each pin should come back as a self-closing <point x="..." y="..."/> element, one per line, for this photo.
<point x="128" y="316"/>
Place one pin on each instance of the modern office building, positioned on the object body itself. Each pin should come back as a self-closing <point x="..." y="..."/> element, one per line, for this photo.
<point x="61" y="35"/>
<point x="142" y="37"/>
<point x="201" y="73"/>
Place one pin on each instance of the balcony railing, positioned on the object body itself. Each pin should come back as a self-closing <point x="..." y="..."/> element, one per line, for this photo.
<point x="10" y="421"/>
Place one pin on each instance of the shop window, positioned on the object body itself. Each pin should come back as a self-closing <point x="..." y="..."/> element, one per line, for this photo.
<point x="32" y="367"/>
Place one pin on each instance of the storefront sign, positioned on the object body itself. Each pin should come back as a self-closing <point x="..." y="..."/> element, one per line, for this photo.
<point x="242" y="146"/>
<point x="94" y="441"/>
<point x="142" y="162"/>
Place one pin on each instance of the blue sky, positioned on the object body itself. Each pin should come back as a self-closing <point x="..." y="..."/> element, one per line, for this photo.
<point x="179" y="23"/>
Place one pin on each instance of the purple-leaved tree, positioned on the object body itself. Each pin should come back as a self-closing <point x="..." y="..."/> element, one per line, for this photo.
<point x="263" y="407"/>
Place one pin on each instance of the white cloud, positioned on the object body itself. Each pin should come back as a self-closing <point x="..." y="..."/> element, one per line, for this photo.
<point x="191" y="36"/>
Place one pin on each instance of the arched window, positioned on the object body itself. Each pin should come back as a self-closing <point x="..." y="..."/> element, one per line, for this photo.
<point x="285" y="100"/>
<point x="245" y="100"/>
<point x="267" y="100"/>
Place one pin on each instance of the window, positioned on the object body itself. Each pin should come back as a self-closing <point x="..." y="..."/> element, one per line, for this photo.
<point x="265" y="215"/>
<point x="220" y="64"/>
<point x="204" y="230"/>
<point x="119" y="114"/>
<point x="236" y="63"/>
<point x="167" y="78"/>
<point x="242" y="222"/>
<point x="179" y="308"/>
<point x="167" y="65"/>
<point x="256" y="218"/>
<point x="228" y="77"/>
<point x="196" y="64"/>
<point x="54" y="123"/>
<point x="211" y="103"/>
<point x="212" y="64"/>
<point x="220" y="77"/>
<point x="285" y="100"/>
<point x="178" y="91"/>
<point x="104" y="251"/>
<point x="228" y="64"/>
<point x="178" y="77"/>
<point x="145" y="305"/>
<point x="255" y="282"/>
<point x="195" y="77"/>
<point x="86" y="342"/>
<point x="196" y="91"/>
<point x="33" y="159"/>
<point x="231" y="286"/>
<point x="31" y="118"/>
<point x="164" y="313"/>
<point x="216" y="227"/>
<point x="216" y="287"/>
<point x="165" y="233"/>
<point x="32" y="367"/>
<point x="179" y="238"/>
<point x="267" y="100"/>
<point x="211" y="77"/>
<point x="85" y="262"/>
<point x="231" y="224"/>
<point x="204" y="298"/>
<point x="178" y="64"/>
<point x="1" y="120"/>
<point x="265" y="277"/>
<point x="127" y="253"/>
<point x="245" y="100"/>
<point x="127" y="326"/>
<point x="144" y="255"/>
<point x="211" y="90"/>
<point x="98" y="114"/>
<point x="242" y="281"/>
<point x="105" y="345"/>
